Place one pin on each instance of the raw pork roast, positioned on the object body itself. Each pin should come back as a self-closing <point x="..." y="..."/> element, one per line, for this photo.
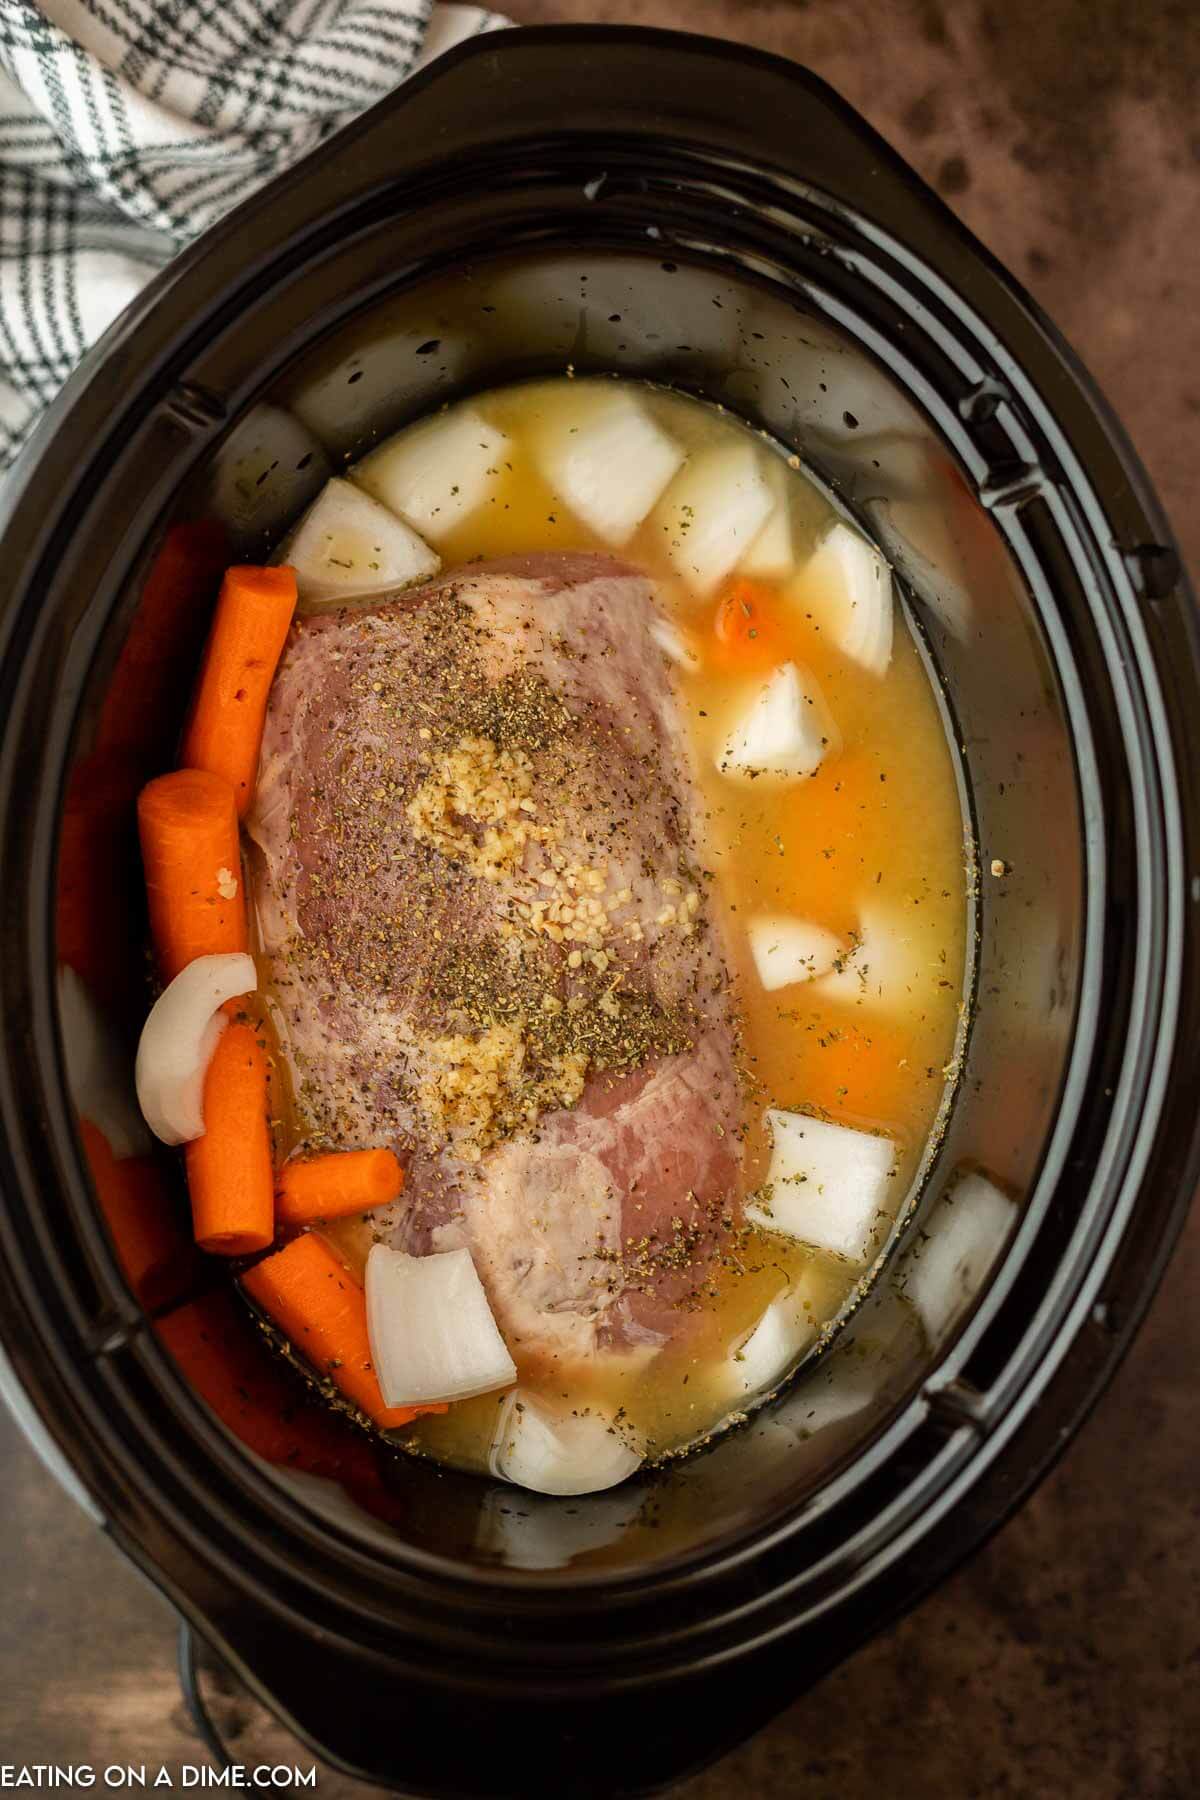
<point x="477" y="887"/>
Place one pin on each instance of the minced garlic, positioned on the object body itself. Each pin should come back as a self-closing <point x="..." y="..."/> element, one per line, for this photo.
<point x="477" y="784"/>
<point x="481" y="1089"/>
<point x="480" y="785"/>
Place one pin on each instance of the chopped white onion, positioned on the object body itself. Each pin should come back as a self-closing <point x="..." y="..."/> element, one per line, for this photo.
<point x="768" y="1352"/>
<point x="892" y="959"/>
<point x="772" y="555"/>
<point x="828" y="1184"/>
<point x="956" y="1252"/>
<point x="347" y="544"/>
<point x="787" y="950"/>
<point x="431" y="1329"/>
<point x="852" y="588"/>
<point x="178" y="1040"/>
<point x="436" y="473"/>
<point x="558" y="1450"/>
<point x="608" y="460"/>
<point x="784" y="732"/>
<point x="673" y="644"/>
<point x="98" y="1073"/>
<point x="712" y="513"/>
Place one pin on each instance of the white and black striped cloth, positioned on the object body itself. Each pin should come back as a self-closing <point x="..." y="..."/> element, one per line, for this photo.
<point x="127" y="126"/>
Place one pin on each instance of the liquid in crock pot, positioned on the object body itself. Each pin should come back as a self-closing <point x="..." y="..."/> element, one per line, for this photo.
<point x="607" y="859"/>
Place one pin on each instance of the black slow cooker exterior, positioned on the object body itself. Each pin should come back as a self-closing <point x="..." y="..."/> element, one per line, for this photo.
<point x="417" y="1655"/>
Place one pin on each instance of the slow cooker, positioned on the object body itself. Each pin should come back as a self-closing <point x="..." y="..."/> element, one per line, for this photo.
<point x="675" y="208"/>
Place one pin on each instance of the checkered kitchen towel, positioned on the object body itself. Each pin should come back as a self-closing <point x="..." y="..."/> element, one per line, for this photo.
<point x="127" y="126"/>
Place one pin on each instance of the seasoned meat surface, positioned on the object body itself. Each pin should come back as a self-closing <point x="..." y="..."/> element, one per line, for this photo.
<point x="478" y="888"/>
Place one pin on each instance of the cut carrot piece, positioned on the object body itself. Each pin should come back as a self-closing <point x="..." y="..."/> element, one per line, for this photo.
<point x="249" y="629"/>
<point x="229" y="1172"/>
<point x="337" y="1185"/>
<point x="190" y="851"/>
<point x="747" y="628"/>
<point x="158" y="1260"/>
<point x="317" y="1304"/>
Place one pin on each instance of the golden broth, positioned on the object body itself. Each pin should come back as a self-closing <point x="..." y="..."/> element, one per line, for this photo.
<point x="876" y="833"/>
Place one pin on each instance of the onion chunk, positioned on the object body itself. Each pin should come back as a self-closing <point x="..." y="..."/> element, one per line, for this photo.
<point x="178" y="1040"/>
<point x="431" y="1329"/>
<point x="438" y="472"/>
<point x="784" y="733"/>
<point x="892" y="960"/>
<point x="609" y="461"/>
<point x="772" y="555"/>
<point x="827" y="1184"/>
<point x="347" y="544"/>
<point x="854" y="586"/>
<point x="771" y="1349"/>
<point x="788" y="950"/>
<point x="557" y="1450"/>
<point x="712" y="513"/>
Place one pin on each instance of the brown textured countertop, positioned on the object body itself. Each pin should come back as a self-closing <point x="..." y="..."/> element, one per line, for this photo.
<point x="1064" y="1659"/>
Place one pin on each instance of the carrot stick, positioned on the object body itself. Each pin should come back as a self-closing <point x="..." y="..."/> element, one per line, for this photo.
<point x="153" y="1249"/>
<point x="317" y="1304"/>
<point x="229" y="1169"/>
<point x="249" y="629"/>
<point x="189" y="832"/>
<point x="337" y="1185"/>
<point x="746" y="628"/>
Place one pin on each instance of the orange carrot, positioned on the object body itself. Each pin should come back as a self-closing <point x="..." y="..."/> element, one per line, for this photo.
<point x="249" y="629"/>
<point x="157" y="1257"/>
<point x="229" y="1169"/>
<point x="189" y="832"/>
<point x="337" y="1185"/>
<point x="746" y="628"/>
<point x="317" y="1304"/>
